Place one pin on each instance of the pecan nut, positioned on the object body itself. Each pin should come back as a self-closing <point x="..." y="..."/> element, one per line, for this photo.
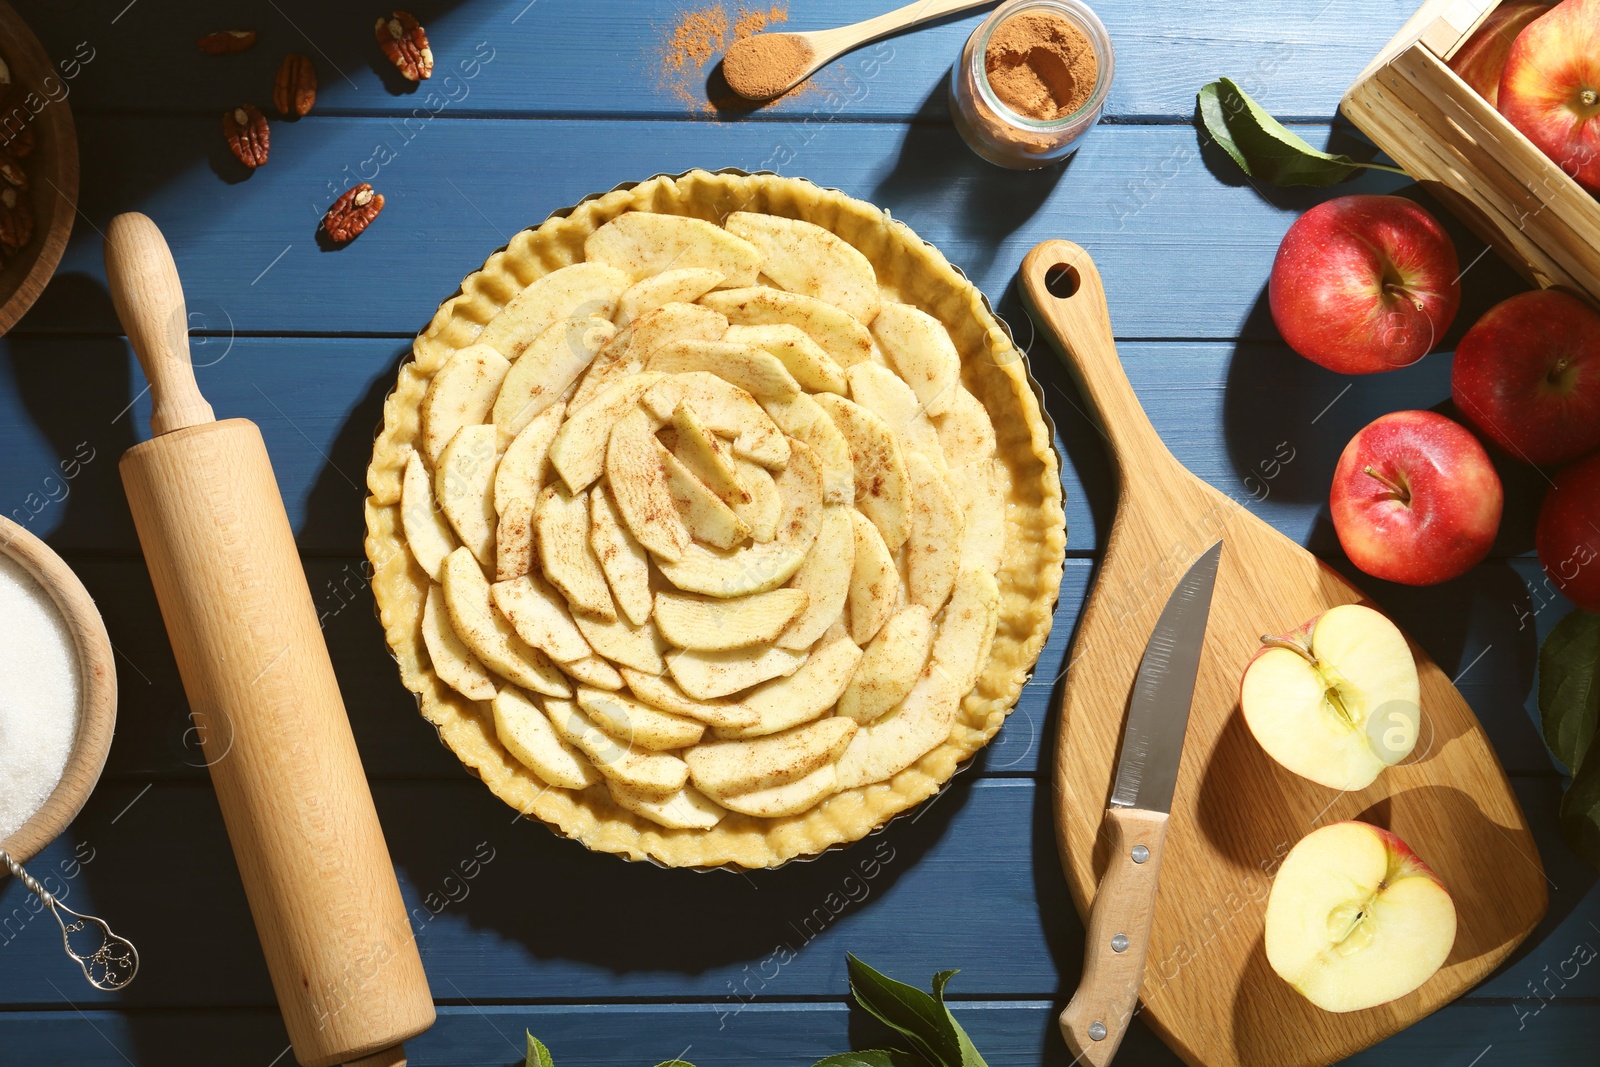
<point x="226" y="42"/>
<point x="12" y="173"/>
<point x="352" y="213"/>
<point x="406" y="44"/>
<point x="294" y="90"/>
<point x="20" y="145"/>
<point x="245" y="127"/>
<point x="16" y="221"/>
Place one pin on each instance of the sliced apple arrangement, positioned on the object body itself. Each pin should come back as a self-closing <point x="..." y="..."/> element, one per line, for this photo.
<point x="709" y="524"/>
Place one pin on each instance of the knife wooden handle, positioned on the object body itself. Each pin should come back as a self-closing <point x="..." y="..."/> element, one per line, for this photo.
<point x="1118" y="938"/>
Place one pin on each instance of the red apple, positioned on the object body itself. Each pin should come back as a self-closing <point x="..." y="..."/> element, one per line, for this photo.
<point x="1356" y="918"/>
<point x="1550" y="89"/>
<point x="1568" y="534"/>
<point x="1480" y="61"/>
<point x="1415" y="499"/>
<point x="1527" y="375"/>
<point x="1364" y="284"/>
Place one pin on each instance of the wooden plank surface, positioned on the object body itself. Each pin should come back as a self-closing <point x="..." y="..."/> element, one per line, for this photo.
<point x="305" y="342"/>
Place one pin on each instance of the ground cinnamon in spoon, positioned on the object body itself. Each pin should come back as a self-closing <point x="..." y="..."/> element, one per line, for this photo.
<point x="1041" y="65"/>
<point x="761" y="67"/>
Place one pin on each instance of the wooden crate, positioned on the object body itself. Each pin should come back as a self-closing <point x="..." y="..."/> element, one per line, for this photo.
<point x="1445" y="135"/>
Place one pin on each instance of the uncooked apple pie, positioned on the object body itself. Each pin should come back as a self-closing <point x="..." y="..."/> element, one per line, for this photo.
<point x="715" y="522"/>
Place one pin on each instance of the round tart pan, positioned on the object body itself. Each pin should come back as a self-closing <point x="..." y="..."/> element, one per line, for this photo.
<point x="1030" y="580"/>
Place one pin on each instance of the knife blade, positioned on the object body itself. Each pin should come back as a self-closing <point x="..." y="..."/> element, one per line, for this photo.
<point x="1123" y="911"/>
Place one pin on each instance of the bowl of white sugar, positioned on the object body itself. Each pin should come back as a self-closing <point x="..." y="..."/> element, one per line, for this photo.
<point x="58" y="693"/>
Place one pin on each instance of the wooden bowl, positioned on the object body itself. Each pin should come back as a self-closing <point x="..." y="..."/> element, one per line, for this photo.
<point x="97" y="676"/>
<point x="52" y="168"/>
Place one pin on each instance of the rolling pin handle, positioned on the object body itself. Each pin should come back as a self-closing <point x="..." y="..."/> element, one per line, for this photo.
<point x="149" y="301"/>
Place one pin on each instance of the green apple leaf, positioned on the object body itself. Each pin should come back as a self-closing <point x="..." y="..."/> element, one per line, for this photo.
<point x="1580" y="809"/>
<point x="872" y="1057"/>
<point x="921" y="1018"/>
<point x="538" y="1055"/>
<point x="1263" y="147"/>
<point x="1569" y="688"/>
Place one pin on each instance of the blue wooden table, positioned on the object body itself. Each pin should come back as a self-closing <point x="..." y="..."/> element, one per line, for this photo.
<point x="534" y="104"/>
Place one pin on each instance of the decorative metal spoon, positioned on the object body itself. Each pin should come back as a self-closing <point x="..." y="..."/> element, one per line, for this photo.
<point x="108" y="960"/>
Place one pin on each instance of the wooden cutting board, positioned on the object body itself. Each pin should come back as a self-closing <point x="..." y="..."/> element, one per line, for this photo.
<point x="1208" y="990"/>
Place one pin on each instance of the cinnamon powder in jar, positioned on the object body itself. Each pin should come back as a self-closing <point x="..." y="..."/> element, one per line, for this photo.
<point x="1041" y="65"/>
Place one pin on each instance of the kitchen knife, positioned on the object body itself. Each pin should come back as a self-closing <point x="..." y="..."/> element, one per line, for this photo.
<point x="1147" y="773"/>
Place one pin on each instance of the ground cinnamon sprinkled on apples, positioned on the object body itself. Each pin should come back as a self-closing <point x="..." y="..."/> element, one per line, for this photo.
<point x="1041" y="65"/>
<point x="698" y="35"/>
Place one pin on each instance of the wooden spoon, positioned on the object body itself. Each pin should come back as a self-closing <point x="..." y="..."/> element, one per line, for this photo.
<point x="766" y="65"/>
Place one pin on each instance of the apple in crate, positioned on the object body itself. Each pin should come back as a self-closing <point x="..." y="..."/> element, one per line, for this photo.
<point x="1481" y="60"/>
<point x="1568" y="534"/>
<point x="1527" y="376"/>
<point x="1415" y="499"/>
<point x="1364" y="284"/>
<point x="1550" y="88"/>
<point x="1356" y="919"/>
<point x="1337" y="699"/>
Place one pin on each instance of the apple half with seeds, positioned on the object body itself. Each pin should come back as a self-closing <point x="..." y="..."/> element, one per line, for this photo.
<point x="1357" y="919"/>
<point x="1337" y="699"/>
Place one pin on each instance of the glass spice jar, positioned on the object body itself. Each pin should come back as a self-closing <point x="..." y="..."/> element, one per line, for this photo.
<point x="1005" y="136"/>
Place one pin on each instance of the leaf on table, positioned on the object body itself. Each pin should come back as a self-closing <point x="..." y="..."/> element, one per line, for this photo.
<point x="1263" y="147"/>
<point x="872" y="1057"/>
<point x="921" y="1018"/>
<point x="538" y="1055"/>
<point x="1569" y="688"/>
<point x="1580" y="809"/>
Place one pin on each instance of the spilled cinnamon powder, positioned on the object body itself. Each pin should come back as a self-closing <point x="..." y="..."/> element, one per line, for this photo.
<point x="695" y="38"/>
<point x="1041" y="65"/>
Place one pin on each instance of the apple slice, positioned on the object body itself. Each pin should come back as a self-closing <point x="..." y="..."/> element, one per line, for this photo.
<point x="680" y="285"/>
<point x="730" y="768"/>
<point x="525" y="731"/>
<point x="919" y="349"/>
<point x="708" y="675"/>
<point x="805" y="694"/>
<point x="886" y="396"/>
<point x="824" y="578"/>
<point x="687" y="809"/>
<point x="966" y="433"/>
<point x="452" y="662"/>
<point x="621" y="642"/>
<point x="487" y="635"/>
<point x="647" y="242"/>
<point x="463" y="483"/>
<point x="1336" y="700"/>
<point x="839" y="333"/>
<point x="933" y="551"/>
<point x="752" y="369"/>
<point x="461" y="394"/>
<point x="711" y="625"/>
<point x="874" y="581"/>
<point x="792" y="798"/>
<point x="427" y="534"/>
<point x="803" y="419"/>
<point x="981" y="489"/>
<point x="595" y="672"/>
<point x="624" y="560"/>
<point x="706" y="517"/>
<point x="633" y="723"/>
<point x="579" y="451"/>
<point x="661" y="693"/>
<point x="1356" y="919"/>
<point x="883" y="493"/>
<point x="546" y="369"/>
<point x="656" y="774"/>
<point x="640" y="490"/>
<point x="627" y="351"/>
<point x="707" y="457"/>
<point x="561" y="526"/>
<point x="517" y="481"/>
<point x="761" y="505"/>
<point x="759" y="567"/>
<point x="966" y="630"/>
<point x="802" y="257"/>
<point x="579" y="290"/>
<point x="890" y="665"/>
<point x="811" y="366"/>
<point x="540" y="617"/>
<point x="723" y="408"/>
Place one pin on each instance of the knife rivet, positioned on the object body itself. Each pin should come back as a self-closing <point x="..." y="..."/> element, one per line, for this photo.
<point x="1097" y="1030"/>
<point x="1140" y="853"/>
<point x="1119" y="943"/>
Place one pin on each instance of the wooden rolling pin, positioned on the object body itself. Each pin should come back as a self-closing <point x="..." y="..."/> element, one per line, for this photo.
<point x="322" y="889"/>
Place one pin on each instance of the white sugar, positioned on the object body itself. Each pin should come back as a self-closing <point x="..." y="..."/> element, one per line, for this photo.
<point x="38" y="695"/>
